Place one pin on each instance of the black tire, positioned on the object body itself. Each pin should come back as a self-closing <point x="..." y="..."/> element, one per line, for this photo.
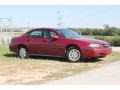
<point x="77" y="56"/>
<point x="23" y="52"/>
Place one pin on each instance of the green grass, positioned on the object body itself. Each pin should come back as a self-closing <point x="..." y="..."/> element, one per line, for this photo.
<point x="37" y="70"/>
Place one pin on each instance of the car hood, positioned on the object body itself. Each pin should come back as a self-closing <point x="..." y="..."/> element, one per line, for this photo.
<point x="89" y="40"/>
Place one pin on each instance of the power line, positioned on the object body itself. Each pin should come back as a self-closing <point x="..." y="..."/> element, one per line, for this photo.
<point x="5" y="21"/>
<point x="4" y="24"/>
<point x="97" y="13"/>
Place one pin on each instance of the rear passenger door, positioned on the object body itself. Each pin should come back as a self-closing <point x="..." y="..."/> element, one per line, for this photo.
<point x="36" y="42"/>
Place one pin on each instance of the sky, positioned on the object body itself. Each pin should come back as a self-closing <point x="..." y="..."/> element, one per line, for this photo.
<point x="72" y="16"/>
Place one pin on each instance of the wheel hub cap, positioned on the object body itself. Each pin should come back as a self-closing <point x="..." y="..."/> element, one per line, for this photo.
<point x="22" y="52"/>
<point x="74" y="55"/>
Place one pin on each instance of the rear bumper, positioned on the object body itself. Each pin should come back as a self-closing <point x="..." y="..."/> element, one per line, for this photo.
<point x="96" y="52"/>
<point x="12" y="48"/>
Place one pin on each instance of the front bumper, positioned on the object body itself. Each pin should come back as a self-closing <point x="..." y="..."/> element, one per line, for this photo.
<point x="96" y="52"/>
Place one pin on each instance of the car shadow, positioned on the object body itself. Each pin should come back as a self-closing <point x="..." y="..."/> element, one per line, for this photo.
<point x="12" y="55"/>
<point x="92" y="60"/>
<point x="48" y="58"/>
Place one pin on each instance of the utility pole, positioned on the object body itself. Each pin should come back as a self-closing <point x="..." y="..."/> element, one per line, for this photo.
<point x="28" y="26"/>
<point x="5" y="21"/>
<point x="60" y="24"/>
<point x="10" y="24"/>
<point x="0" y="26"/>
<point x="5" y="24"/>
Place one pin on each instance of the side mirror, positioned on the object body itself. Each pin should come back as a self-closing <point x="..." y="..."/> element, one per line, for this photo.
<point x="56" y="37"/>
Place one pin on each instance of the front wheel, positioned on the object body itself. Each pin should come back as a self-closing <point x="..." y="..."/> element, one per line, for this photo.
<point x="23" y="53"/>
<point x="73" y="54"/>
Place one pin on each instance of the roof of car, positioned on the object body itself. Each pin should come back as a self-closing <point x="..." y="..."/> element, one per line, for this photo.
<point x="44" y="28"/>
<point x="48" y="28"/>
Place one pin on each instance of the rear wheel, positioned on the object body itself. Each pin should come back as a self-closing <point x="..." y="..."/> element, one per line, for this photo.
<point x="73" y="54"/>
<point x="23" y="52"/>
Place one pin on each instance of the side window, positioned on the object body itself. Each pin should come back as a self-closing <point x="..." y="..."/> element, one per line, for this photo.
<point x="49" y="34"/>
<point x="36" y="34"/>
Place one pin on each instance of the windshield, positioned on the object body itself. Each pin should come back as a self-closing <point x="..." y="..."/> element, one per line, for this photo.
<point x="68" y="33"/>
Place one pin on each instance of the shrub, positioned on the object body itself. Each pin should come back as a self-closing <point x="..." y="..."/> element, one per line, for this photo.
<point x="113" y="40"/>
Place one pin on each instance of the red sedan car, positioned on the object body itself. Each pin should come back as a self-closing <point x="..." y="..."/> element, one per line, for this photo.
<point x="58" y="43"/>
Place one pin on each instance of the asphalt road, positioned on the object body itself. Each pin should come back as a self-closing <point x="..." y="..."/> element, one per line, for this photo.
<point x="108" y="74"/>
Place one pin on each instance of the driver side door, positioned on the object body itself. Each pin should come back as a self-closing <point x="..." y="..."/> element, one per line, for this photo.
<point x="54" y="47"/>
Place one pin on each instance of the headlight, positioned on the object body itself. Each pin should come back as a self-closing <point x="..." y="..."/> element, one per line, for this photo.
<point x="94" y="45"/>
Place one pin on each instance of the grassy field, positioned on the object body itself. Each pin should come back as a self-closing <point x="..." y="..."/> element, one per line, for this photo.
<point x="37" y="70"/>
<point x="113" y="40"/>
<point x="88" y="36"/>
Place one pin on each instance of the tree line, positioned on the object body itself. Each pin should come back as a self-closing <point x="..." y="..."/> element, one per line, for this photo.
<point x="106" y="31"/>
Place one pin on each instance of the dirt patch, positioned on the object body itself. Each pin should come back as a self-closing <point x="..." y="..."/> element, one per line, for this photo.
<point x="12" y="75"/>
